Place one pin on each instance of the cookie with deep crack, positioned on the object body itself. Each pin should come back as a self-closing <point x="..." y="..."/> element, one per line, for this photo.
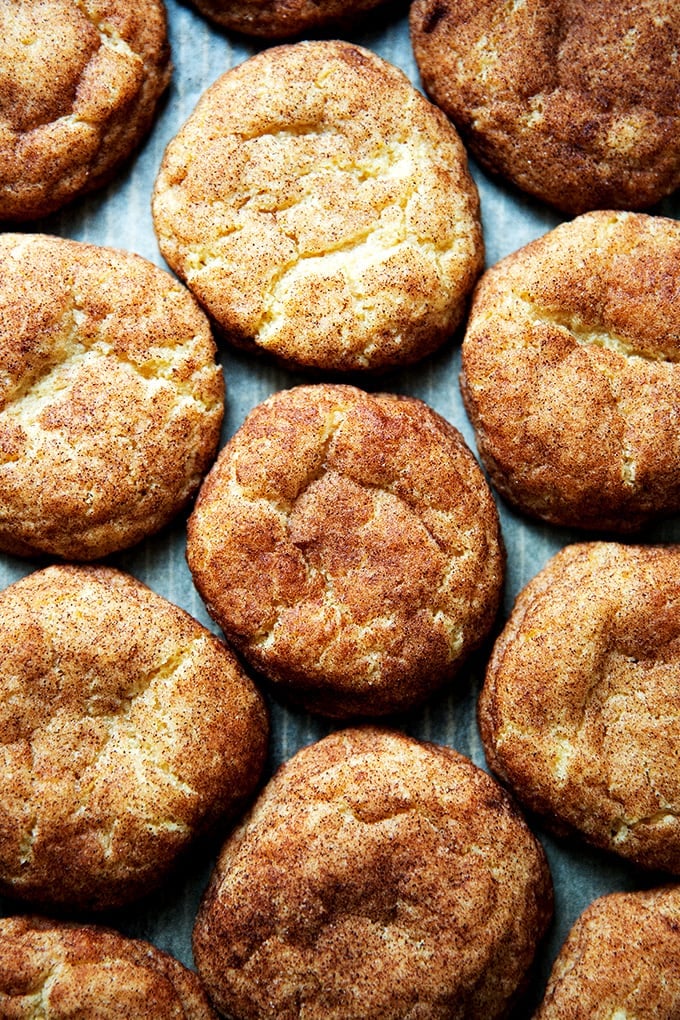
<point x="571" y="374"/>
<point x="577" y="713"/>
<point x="621" y="959"/>
<point x="69" y="970"/>
<point x="126" y="730"/>
<point x="375" y="876"/>
<point x="348" y="545"/>
<point x="574" y="101"/>
<point x="80" y="84"/>
<point x="283" y="19"/>
<point x="111" y="401"/>
<point x="321" y="210"/>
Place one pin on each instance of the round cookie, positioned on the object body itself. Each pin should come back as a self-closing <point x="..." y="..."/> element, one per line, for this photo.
<point x="578" y="709"/>
<point x="282" y="19"/>
<point x="375" y="876"/>
<point x="111" y="402"/>
<point x="126" y="730"/>
<point x="80" y="83"/>
<point x="621" y="959"/>
<point x="321" y="209"/>
<point x="570" y="372"/>
<point x="69" y="970"/>
<point x="349" y="547"/>
<point x="574" y="101"/>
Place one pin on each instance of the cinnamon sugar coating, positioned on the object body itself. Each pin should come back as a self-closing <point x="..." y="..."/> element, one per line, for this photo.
<point x="67" y="970"/>
<point x="574" y="101"/>
<point x="571" y="374"/>
<point x="126" y="730"/>
<point x="621" y="960"/>
<point x="578" y="710"/>
<point x="80" y="83"/>
<point x="321" y="210"/>
<point x="375" y="876"/>
<point x="111" y="401"/>
<point x="348" y="546"/>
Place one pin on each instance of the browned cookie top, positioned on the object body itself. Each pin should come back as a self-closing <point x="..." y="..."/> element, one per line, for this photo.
<point x="60" y="971"/>
<point x="571" y="373"/>
<point x="621" y="960"/>
<point x="126" y="730"/>
<point x="575" y="101"/>
<point x="375" y="877"/>
<point x="321" y="209"/>
<point x="579" y="707"/>
<point x="79" y="85"/>
<point x="348" y="545"/>
<point x="281" y="19"/>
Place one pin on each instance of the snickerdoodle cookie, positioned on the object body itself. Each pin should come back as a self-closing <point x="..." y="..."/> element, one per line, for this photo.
<point x="321" y="209"/>
<point x="349" y="547"/>
<point x="283" y="19"/>
<point x="571" y="373"/>
<point x="62" y="971"/>
<point x="621" y="960"/>
<point x="575" y="101"/>
<point x="579" y="707"/>
<point x="110" y="398"/>
<point x="80" y="83"/>
<point x="376" y="876"/>
<point x="126" y="729"/>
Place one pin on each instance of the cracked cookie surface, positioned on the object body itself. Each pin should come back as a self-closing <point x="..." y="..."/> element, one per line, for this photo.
<point x="80" y="82"/>
<point x="126" y="729"/>
<point x="349" y="547"/>
<point x="375" y="876"/>
<point x="620" y="961"/>
<point x="57" y="971"/>
<point x="574" y="101"/>
<point x="578" y="710"/>
<point x="111" y="401"/>
<point x="571" y="372"/>
<point x="321" y="209"/>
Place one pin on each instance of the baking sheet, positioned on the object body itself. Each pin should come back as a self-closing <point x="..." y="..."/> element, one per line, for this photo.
<point x="120" y="216"/>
